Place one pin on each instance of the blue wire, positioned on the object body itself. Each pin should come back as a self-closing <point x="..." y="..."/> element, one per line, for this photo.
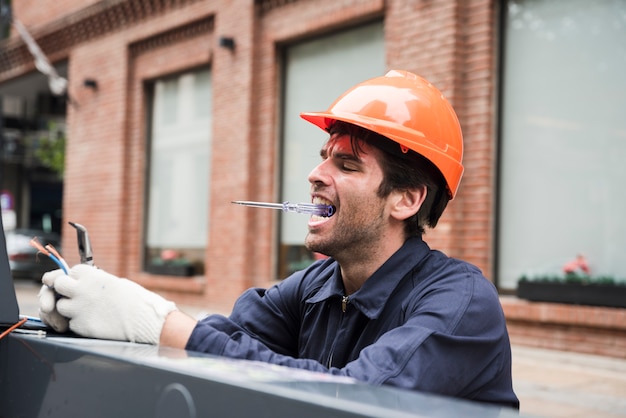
<point x="58" y="262"/>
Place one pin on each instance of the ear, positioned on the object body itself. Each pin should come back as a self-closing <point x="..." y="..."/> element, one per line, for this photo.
<point x="406" y="203"/>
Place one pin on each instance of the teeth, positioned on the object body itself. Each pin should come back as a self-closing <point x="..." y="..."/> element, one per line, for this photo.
<point x="321" y="201"/>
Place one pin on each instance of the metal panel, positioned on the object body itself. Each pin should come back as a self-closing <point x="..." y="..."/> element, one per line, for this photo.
<point x="61" y="377"/>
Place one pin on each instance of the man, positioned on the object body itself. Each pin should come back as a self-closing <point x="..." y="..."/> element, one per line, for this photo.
<point x="383" y="308"/>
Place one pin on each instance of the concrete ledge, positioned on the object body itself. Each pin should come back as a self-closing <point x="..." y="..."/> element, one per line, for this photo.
<point x="583" y="329"/>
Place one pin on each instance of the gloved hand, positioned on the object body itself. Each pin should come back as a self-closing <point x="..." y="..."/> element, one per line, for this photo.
<point x="99" y="305"/>
<point x="48" y="303"/>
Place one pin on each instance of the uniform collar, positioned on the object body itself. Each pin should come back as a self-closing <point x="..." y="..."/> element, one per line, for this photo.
<point x="372" y="296"/>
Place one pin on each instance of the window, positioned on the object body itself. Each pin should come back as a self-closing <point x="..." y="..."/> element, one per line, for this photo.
<point x="178" y="183"/>
<point x="5" y="13"/>
<point x="316" y="73"/>
<point x="563" y="138"/>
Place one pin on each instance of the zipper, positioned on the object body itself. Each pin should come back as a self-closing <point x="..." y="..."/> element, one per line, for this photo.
<point x="344" y="306"/>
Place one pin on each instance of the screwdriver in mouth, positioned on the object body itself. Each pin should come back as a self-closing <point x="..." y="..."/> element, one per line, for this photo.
<point x="308" y="208"/>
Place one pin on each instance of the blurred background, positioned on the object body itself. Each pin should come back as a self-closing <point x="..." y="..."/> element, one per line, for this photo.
<point x="143" y="119"/>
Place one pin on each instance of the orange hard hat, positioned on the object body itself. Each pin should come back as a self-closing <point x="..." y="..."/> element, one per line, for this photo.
<point x="408" y="110"/>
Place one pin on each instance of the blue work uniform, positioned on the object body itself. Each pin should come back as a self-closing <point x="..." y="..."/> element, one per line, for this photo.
<point x="422" y="321"/>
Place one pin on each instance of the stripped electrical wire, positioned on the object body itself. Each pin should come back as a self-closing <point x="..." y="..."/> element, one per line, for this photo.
<point x="54" y="252"/>
<point x="13" y="327"/>
<point x="50" y="252"/>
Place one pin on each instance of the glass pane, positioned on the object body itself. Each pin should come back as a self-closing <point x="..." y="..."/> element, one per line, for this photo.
<point x="317" y="72"/>
<point x="563" y="138"/>
<point x="177" y="214"/>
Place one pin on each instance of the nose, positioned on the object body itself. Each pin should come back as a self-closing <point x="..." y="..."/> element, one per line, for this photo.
<point x="319" y="174"/>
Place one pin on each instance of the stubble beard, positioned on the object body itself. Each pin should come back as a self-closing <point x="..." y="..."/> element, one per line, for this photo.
<point x="348" y="240"/>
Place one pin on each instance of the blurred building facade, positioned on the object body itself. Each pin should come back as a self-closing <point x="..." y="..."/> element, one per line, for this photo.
<point x="175" y="108"/>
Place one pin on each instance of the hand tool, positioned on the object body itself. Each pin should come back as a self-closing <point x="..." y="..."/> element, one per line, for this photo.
<point x="84" y="245"/>
<point x="308" y="208"/>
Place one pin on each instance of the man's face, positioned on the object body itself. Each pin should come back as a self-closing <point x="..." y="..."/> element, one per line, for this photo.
<point x="350" y="183"/>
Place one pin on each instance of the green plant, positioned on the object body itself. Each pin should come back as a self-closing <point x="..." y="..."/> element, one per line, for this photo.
<point x="51" y="150"/>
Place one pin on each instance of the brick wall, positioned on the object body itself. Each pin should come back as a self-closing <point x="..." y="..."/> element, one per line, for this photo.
<point x="451" y="43"/>
<point x="37" y="13"/>
<point x="584" y="329"/>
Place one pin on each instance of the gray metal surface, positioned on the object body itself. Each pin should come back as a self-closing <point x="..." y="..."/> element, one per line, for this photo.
<point x="63" y="377"/>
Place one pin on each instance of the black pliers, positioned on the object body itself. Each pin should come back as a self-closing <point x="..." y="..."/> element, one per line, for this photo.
<point x="84" y="245"/>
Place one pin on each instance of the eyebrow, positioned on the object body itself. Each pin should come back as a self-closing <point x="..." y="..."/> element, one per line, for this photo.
<point x="340" y="155"/>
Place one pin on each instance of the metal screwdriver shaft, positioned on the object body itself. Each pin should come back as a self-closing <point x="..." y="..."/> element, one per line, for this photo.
<point x="308" y="208"/>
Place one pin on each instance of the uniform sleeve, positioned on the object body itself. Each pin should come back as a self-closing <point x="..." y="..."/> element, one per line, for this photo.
<point x="263" y="326"/>
<point x="462" y="360"/>
<point x="453" y="341"/>
<point x="261" y="319"/>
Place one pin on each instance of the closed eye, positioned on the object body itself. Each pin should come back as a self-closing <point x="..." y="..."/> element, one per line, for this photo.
<point x="348" y="162"/>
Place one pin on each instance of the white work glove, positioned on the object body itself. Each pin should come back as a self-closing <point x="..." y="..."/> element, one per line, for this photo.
<point x="94" y="303"/>
<point x="48" y="304"/>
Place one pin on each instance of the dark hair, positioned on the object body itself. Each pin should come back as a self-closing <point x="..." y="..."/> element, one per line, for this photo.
<point x="402" y="171"/>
